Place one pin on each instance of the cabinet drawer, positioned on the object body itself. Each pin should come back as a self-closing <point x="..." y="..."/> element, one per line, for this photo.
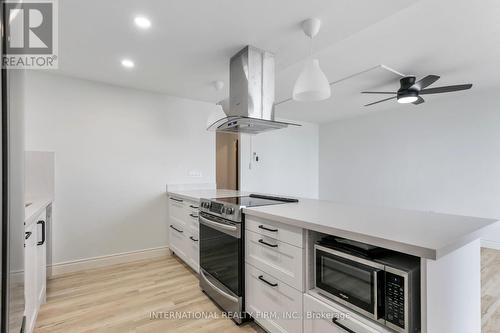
<point x="321" y="317"/>
<point x="176" y="207"/>
<point x="192" y="206"/>
<point x="276" y="306"/>
<point x="282" y="260"/>
<point x="192" y="220"/>
<point x="282" y="232"/>
<point x="177" y="238"/>
<point x="193" y="251"/>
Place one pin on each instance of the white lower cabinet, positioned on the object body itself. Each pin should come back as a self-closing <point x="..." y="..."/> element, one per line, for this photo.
<point x="30" y="277"/>
<point x="274" y="305"/>
<point x="35" y="267"/>
<point x="320" y="317"/>
<point x="183" y="230"/>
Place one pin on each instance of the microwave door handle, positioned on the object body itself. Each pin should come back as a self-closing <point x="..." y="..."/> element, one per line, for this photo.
<point x="345" y="328"/>
<point x="379" y="276"/>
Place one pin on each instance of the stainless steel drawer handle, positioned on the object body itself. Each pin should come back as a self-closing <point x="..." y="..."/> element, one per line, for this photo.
<point x="194" y="207"/>
<point x="261" y="277"/>
<point x="193" y="239"/>
<point x="267" y="229"/>
<point x="193" y="216"/>
<point x="177" y="200"/>
<point x="345" y="328"/>
<point x="171" y="226"/>
<point x="266" y="243"/>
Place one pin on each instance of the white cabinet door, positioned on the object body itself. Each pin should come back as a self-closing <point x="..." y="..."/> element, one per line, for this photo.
<point x="30" y="277"/>
<point x="41" y="254"/>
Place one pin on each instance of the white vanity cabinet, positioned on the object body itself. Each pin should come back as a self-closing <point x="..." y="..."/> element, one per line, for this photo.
<point x="35" y="262"/>
<point x="183" y="230"/>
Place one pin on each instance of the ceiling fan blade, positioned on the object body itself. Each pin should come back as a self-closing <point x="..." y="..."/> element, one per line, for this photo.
<point x="425" y="82"/>
<point x="379" y="92"/>
<point x="446" y="89"/>
<point x="420" y="100"/>
<point x="387" y="99"/>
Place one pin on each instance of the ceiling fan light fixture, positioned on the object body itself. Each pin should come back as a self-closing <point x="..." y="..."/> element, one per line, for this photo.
<point x="408" y="97"/>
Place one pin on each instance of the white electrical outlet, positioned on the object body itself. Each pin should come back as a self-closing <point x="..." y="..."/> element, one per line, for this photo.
<point x="195" y="174"/>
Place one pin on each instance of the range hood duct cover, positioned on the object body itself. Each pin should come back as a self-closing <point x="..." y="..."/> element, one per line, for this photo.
<point x="251" y="94"/>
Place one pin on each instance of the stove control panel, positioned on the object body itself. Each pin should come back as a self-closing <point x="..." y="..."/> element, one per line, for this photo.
<point x="221" y="209"/>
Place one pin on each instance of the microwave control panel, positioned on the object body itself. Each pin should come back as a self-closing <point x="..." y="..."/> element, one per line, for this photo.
<point x="395" y="299"/>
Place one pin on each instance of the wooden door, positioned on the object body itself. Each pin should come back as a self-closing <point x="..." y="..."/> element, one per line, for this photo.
<point x="227" y="160"/>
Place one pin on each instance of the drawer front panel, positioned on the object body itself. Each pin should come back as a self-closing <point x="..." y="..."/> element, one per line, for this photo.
<point x="193" y="250"/>
<point x="176" y="207"/>
<point x="177" y="238"/>
<point x="282" y="232"/>
<point x="325" y="318"/>
<point x="273" y="304"/>
<point x="282" y="260"/>
<point x="192" y="220"/>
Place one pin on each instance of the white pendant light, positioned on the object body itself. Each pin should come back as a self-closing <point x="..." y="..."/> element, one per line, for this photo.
<point x="218" y="112"/>
<point x="312" y="84"/>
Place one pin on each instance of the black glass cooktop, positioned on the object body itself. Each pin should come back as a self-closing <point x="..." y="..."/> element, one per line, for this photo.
<point x="254" y="200"/>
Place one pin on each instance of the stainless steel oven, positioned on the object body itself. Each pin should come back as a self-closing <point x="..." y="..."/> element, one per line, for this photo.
<point x="385" y="289"/>
<point x="221" y="249"/>
<point x="221" y="267"/>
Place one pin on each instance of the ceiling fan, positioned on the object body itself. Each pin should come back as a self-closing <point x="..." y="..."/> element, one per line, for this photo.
<point x="410" y="90"/>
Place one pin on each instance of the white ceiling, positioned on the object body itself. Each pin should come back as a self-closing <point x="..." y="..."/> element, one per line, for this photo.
<point x="456" y="39"/>
<point x="190" y="43"/>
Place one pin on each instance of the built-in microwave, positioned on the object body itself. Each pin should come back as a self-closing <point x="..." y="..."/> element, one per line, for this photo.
<point x="386" y="290"/>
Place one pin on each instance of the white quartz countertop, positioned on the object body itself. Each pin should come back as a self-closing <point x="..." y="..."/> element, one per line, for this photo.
<point x="424" y="234"/>
<point x="196" y="195"/>
<point x="36" y="207"/>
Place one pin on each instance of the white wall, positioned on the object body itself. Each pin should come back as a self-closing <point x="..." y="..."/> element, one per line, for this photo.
<point x="443" y="156"/>
<point x="288" y="161"/>
<point x="115" y="150"/>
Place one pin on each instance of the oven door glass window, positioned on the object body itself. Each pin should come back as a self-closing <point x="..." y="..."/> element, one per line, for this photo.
<point x="220" y="257"/>
<point x="346" y="279"/>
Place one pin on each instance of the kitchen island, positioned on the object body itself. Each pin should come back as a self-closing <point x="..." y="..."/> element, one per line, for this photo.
<point x="448" y="247"/>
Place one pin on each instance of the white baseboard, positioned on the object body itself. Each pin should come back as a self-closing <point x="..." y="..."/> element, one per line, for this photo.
<point x="490" y="244"/>
<point x="103" y="261"/>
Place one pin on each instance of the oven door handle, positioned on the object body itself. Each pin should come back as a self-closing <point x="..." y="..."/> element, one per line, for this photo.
<point x="345" y="328"/>
<point x="217" y="224"/>
<point x="220" y="291"/>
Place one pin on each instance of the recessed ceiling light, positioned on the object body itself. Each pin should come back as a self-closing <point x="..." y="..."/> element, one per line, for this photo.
<point x="142" y="22"/>
<point x="127" y="63"/>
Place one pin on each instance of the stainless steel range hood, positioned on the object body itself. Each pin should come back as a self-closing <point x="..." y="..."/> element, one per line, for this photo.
<point x="251" y="94"/>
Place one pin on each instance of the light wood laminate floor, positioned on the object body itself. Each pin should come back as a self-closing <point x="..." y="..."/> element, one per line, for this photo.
<point x="490" y="284"/>
<point x="121" y="298"/>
